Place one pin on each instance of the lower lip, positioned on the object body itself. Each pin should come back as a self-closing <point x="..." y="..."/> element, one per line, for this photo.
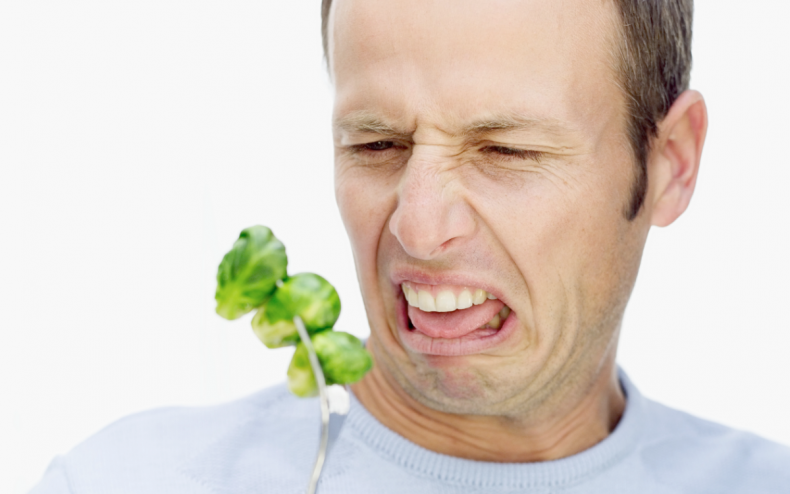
<point x="469" y="344"/>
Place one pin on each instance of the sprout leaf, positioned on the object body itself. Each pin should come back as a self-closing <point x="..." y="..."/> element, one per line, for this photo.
<point x="306" y="295"/>
<point x="248" y="273"/>
<point x="301" y="380"/>
<point x="342" y="356"/>
<point x="343" y="359"/>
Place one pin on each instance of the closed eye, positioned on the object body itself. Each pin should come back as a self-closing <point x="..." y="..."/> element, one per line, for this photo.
<point x="513" y="153"/>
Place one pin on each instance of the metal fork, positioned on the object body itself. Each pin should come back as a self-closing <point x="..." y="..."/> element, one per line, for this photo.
<point x="338" y="407"/>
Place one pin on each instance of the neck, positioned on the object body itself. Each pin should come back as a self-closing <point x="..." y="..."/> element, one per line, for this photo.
<point x="569" y="428"/>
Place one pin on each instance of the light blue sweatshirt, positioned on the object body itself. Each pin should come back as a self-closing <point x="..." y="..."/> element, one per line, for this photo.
<point x="266" y="443"/>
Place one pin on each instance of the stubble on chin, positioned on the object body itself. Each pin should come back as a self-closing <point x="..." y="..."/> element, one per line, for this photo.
<point x="464" y="390"/>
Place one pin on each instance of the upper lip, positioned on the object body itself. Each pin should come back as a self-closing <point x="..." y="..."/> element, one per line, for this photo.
<point x="415" y="275"/>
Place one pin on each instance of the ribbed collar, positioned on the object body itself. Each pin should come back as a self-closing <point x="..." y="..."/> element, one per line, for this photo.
<point x="555" y="473"/>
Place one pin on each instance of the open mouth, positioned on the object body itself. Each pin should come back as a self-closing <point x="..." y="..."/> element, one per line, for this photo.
<point x="452" y="320"/>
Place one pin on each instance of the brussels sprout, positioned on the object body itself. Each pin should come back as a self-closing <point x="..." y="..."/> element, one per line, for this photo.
<point x="248" y="274"/>
<point x="343" y="359"/>
<point x="306" y="295"/>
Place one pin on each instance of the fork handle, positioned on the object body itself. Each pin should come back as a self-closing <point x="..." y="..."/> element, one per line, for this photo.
<point x="321" y="381"/>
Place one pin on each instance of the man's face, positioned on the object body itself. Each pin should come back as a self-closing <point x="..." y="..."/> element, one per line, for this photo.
<point x="480" y="146"/>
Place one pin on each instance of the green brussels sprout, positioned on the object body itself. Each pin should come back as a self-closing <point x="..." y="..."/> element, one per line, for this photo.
<point x="306" y="295"/>
<point x="248" y="274"/>
<point x="343" y="359"/>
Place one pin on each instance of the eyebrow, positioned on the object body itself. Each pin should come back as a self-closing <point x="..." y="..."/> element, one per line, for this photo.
<point x="365" y="122"/>
<point x="512" y="123"/>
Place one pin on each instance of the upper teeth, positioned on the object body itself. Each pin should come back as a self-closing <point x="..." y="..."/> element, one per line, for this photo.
<point x="445" y="300"/>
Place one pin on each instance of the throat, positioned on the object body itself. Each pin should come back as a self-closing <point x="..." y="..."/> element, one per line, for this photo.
<point x="488" y="438"/>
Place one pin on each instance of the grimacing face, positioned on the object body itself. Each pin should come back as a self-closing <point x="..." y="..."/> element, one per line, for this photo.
<point x="481" y="146"/>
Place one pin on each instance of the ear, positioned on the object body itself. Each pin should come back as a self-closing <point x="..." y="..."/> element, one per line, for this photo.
<point x="675" y="158"/>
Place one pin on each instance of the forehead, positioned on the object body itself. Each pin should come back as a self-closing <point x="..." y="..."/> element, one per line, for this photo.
<point x="453" y="61"/>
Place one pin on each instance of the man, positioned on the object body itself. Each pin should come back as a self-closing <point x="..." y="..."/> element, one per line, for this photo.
<point x="498" y="167"/>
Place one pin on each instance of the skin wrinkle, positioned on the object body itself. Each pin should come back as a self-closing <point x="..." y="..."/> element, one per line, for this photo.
<point x="457" y="433"/>
<point x="647" y="37"/>
<point x="506" y="399"/>
<point x="484" y="164"/>
<point x="426" y="176"/>
<point x="548" y="234"/>
<point x="362" y="122"/>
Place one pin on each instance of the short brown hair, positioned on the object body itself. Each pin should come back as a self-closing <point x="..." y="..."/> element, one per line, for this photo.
<point x="654" y="65"/>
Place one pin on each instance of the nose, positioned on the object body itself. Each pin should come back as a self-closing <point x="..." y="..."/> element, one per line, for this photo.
<point x="432" y="214"/>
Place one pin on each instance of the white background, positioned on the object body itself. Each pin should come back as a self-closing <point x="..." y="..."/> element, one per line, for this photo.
<point x="139" y="137"/>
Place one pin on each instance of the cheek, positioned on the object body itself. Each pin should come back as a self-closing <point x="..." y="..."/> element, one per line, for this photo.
<point x="365" y="206"/>
<point x="564" y="234"/>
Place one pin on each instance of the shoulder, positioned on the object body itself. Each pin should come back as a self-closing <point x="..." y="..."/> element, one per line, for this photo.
<point x="160" y="447"/>
<point x="175" y="431"/>
<point x="688" y="452"/>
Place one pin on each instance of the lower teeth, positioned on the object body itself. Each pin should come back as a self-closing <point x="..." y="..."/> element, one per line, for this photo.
<point x="498" y="319"/>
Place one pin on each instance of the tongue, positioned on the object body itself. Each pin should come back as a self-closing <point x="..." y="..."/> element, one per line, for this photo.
<point x="454" y="324"/>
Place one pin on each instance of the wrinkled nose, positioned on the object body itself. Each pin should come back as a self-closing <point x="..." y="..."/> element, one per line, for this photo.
<point x="431" y="216"/>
